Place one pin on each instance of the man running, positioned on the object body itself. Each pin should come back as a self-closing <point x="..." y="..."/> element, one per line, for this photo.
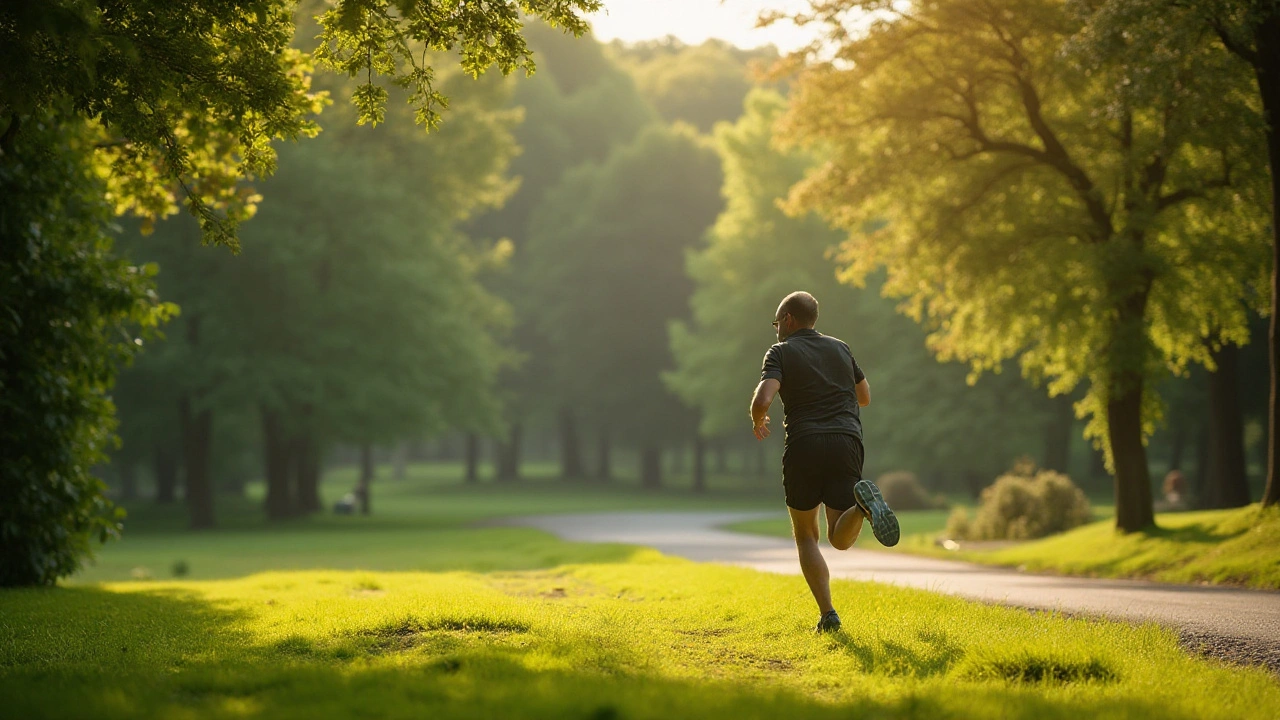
<point x="822" y="388"/>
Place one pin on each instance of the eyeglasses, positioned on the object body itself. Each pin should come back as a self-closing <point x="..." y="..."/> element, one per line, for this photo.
<point x="775" y="322"/>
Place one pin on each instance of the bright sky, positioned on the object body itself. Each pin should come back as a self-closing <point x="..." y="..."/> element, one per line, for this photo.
<point x="694" y="21"/>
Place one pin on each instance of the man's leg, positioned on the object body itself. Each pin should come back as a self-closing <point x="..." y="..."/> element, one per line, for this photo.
<point x="804" y="526"/>
<point x="843" y="527"/>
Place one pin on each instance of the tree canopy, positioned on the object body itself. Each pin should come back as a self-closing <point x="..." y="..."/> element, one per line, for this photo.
<point x="755" y="254"/>
<point x="151" y="105"/>
<point x="1031" y="213"/>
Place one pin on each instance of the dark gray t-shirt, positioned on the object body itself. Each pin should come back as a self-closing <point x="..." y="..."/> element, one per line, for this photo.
<point x="817" y="373"/>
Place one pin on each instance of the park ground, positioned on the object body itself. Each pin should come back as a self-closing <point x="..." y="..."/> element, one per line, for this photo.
<point x="424" y="610"/>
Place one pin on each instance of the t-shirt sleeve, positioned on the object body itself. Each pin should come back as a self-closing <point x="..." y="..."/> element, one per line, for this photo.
<point x="858" y="375"/>
<point x="772" y="364"/>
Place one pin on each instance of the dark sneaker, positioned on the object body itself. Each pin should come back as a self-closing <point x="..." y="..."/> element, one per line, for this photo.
<point x="830" y="622"/>
<point x="883" y="522"/>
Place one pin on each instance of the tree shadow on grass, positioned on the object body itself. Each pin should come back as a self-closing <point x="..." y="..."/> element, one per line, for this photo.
<point x="157" y="653"/>
<point x="1197" y="533"/>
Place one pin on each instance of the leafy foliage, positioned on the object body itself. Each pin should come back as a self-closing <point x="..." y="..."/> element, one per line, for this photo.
<point x="924" y="416"/>
<point x="355" y="313"/>
<point x="72" y="313"/>
<point x="1032" y="213"/>
<point x="394" y="38"/>
<point x="607" y="272"/>
<point x="1022" y="504"/>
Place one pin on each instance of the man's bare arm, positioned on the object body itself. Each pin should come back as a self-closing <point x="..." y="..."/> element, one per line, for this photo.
<point x="863" y="391"/>
<point x="760" y="403"/>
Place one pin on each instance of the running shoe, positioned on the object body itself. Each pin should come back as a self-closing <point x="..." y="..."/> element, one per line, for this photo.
<point x="830" y="622"/>
<point x="883" y="522"/>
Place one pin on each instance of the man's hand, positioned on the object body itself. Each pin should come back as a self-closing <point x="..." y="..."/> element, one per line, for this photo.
<point x="760" y="402"/>
<point x="762" y="429"/>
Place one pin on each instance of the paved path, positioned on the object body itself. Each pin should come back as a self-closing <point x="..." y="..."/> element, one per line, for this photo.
<point x="1249" y="616"/>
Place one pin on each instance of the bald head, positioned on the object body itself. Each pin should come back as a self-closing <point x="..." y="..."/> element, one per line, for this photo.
<point x="802" y="306"/>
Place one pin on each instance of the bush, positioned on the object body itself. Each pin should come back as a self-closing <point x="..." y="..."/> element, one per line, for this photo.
<point x="1022" y="504"/>
<point x="902" y="490"/>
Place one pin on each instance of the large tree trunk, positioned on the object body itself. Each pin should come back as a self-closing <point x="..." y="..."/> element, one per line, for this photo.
<point x="508" y="455"/>
<point x="278" y="455"/>
<point x="1227" y="485"/>
<point x="699" y="464"/>
<point x="1267" y="40"/>
<point x="570" y="448"/>
<point x="1128" y="347"/>
<point x="364" y="486"/>
<point x="473" y="458"/>
<point x="197" y="437"/>
<point x="166" y="471"/>
<point x="1057" y="439"/>
<point x="651" y="467"/>
<point x="1134" y="509"/>
<point x="604" y="464"/>
<point x="307" y="473"/>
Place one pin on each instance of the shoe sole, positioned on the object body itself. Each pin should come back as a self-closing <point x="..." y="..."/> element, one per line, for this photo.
<point x="883" y="522"/>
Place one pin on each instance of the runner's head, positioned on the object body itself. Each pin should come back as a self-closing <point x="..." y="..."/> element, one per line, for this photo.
<point x="796" y="311"/>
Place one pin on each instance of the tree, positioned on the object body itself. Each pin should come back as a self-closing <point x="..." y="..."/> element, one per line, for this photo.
<point x="577" y="109"/>
<point x="172" y="101"/>
<point x="606" y="257"/>
<point x="357" y="319"/>
<point x="1120" y="31"/>
<point x="73" y="312"/>
<point x="1032" y="213"/>
<point x="926" y="418"/>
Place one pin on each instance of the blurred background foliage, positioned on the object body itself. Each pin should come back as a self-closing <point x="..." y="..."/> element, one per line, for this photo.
<point x="573" y="274"/>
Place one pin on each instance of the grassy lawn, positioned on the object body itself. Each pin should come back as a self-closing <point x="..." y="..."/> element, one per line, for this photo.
<point x="1237" y="547"/>
<point x="432" y="616"/>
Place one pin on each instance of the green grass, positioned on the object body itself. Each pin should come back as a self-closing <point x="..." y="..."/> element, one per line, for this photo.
<point x="449" y="619"/>
<point x="1236" y="547"/>
<point x="644" y="636"/>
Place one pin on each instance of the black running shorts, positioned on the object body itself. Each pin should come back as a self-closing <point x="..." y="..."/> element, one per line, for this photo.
<point x="821" y="468"/>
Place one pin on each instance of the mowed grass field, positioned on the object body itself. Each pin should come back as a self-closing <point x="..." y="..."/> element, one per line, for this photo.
<point x="444" y="618"/>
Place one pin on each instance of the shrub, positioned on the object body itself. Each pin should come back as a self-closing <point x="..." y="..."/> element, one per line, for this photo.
<point x="1022" y="504"/>
<point x="902" y="490"/>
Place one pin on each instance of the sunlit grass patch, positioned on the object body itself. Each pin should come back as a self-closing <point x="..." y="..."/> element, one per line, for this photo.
<point x="1237" y="547"/>
<point x="653" y="637"/>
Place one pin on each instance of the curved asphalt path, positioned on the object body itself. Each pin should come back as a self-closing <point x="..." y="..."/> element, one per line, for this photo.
<point x="1249" y="617"/>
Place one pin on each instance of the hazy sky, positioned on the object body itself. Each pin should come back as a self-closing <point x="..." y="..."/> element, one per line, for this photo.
<point x="693" y="21"/>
